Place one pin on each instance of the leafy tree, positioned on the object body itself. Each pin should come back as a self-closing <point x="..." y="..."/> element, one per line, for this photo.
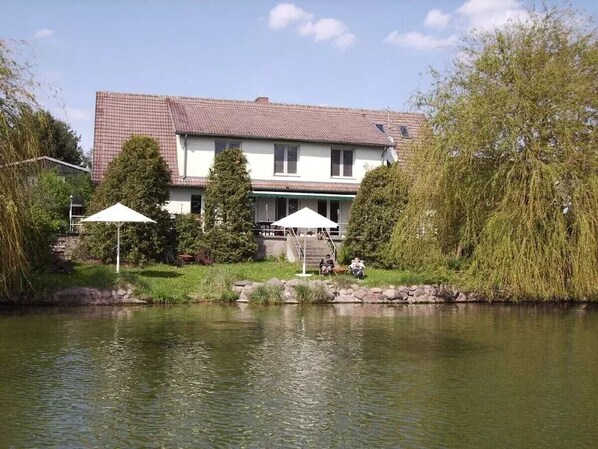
<point x="52" y="191"/>
<point x="55" y="137"/>
<point x="229" y="209"/>
<point x="17" y="142"/>
<point x="48" y="213"/>
<point x="138" y="178"/>
<point x="509" y="179"/>
<point x="378" y="205"/>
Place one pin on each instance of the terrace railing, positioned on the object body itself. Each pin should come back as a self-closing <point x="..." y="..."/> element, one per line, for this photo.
<point x="295" y="241"/>
<point x="330" y="242"/>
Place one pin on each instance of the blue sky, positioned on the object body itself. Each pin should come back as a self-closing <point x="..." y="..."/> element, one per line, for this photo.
<point x="370" y="54"/>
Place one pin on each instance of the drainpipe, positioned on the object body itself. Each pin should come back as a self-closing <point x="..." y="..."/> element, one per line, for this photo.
<point x="185" y="157"/>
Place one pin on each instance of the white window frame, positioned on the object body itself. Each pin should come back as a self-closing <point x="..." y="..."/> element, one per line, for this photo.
<point x="228" y="144"/>
<point x="341" y="162"/>
<point x="285" y="160"/>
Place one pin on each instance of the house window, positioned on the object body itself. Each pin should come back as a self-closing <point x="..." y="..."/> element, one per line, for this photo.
<point x="196" y="204"/>
<point x="380" y="126"/>
<point x="285" y="159"/>
<point x="341" y="163"/>
<point x="404" y="132"/>
<point x="222" y="145"/>
<point x="286" y="206"/>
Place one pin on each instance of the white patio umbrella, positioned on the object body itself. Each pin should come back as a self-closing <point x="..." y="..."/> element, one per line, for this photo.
<point x="118" y="214"/>
<point x="305" y="218"/>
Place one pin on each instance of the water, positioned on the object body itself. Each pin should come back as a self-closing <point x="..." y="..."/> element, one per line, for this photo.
<point x="342" y="376"/>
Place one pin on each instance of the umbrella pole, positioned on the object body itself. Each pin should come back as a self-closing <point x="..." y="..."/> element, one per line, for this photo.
<point x="304" y="250"/>
<point x="118" y="225"/>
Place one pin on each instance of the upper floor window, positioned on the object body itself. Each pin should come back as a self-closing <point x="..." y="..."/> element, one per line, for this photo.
<point x="341" y="163"/>
<point x="404" y="131"/>
<point x="285" y="159"/>
<point x="222" y="145"/>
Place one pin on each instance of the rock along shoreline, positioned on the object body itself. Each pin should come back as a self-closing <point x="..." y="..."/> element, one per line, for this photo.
<point x="357" y="294"/>
<point x="353" y="293"/>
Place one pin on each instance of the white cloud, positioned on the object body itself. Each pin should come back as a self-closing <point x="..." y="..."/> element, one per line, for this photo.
<point x="323" y="29"/>
<point x="44" y="33"/>
<point x="284" y="14"/>
<point x="487" y="14"/>
<point x="437" y="19"/>
<point x="327" y="29"/>
<point x="345" y="40"/>
<point x="419" y="41"/>
<point x="472" y="14"/>
<point x="77" y="115"/>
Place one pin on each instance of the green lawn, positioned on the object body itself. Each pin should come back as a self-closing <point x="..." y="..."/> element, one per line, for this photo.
<point x="171" y="284"/>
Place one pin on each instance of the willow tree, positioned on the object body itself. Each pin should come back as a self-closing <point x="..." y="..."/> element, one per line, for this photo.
<point x="17" y="142"/>
<point x="508" y="178"/>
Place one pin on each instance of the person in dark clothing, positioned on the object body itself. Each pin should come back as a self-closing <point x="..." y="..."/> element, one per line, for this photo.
<point x="326" y="265"/>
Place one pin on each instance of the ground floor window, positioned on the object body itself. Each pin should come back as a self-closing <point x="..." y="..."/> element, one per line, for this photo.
<point x="286" y="206"/>
<point x="196" y="204"/>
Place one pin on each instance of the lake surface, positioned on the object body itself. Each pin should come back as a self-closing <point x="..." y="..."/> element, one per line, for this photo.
<point x="335" y="376"/>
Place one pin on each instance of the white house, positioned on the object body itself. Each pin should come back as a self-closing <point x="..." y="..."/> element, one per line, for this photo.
<point x="298" y="156"/>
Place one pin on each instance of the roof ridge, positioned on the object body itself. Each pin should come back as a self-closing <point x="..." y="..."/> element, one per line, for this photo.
<point x="256" y="104"/>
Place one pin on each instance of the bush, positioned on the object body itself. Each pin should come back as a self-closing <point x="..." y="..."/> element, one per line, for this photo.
<point x="312" y="293"/>
<point x="219" y="286"/>
<point x="266" y="294"/>
<point x="52" y="192"/>
<point x="188" y="233"/>
<point x="343" y="281"/>
<point x="41" y="232"/>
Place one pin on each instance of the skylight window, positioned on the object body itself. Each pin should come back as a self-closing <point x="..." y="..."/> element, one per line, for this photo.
<point x="404" y="131"/>
<point x="380" y="126"/>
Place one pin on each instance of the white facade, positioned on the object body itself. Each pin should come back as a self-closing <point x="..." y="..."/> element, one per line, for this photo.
<point x="180" y="199"/>
<point x="195" y="156"/>
<point x="313" y="163"/>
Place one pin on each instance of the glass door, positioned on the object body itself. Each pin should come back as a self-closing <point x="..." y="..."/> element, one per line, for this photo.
<point x="335" y="207"/>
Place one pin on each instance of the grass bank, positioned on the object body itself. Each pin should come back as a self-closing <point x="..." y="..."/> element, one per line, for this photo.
<point x="165" y="283"/>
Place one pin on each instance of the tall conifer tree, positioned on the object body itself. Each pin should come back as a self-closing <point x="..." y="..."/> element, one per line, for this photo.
<point x="138" y="178"/>
<point x="375" y="211"/>
<point x="229" y="209"/>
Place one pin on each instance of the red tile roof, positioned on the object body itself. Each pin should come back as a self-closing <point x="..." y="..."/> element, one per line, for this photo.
<point x="273" y="121"/>
<point x="118" y="116"/>
<point x="290" y="186"/>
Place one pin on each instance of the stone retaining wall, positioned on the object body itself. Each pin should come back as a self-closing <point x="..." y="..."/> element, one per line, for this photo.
<point x="65" y="246"/>
<point x="90" y="296"/>
<point x="355" y="293"/>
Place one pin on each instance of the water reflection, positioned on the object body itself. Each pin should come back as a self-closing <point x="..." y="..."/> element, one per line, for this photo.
<point x="343" y="375"/>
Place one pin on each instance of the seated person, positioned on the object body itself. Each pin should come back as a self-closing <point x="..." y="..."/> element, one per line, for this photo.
<point x="326" y="265"/>
<point x="357" y="268"/>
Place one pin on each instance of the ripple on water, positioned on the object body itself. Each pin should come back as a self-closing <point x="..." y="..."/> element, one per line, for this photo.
<point x="290" y="377"/>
